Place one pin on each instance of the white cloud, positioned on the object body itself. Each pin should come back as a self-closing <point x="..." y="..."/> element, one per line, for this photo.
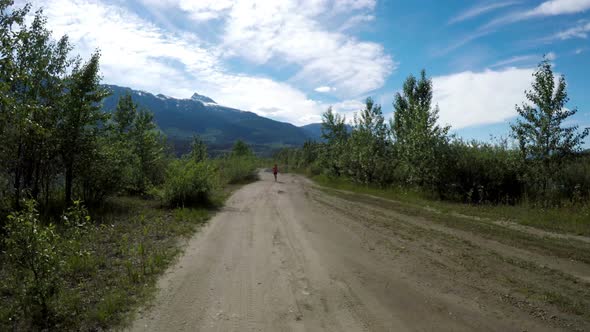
<point x="551" y="56"/>
<point x="520" y="59"/>
<point x="200" y="10"/>
<point x="355" y="21"/>
<point x="291" y="31"/>
<point x="547" y="8"/>
<point x="579" y="31"/>
<point x="138" y="54"/>
<point x="324" y="89"/>
<point x="480" y="10"/>
<point x="348" y="108"/>
<point x="477" y="98"/>
<point x="558" y="7"/>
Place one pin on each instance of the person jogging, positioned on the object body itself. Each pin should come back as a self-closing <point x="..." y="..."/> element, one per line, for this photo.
<point x="275" y="170"/>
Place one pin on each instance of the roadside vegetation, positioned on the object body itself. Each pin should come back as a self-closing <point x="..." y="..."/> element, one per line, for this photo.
<point x="93" y="205"/>
<point x="538" y="177"/>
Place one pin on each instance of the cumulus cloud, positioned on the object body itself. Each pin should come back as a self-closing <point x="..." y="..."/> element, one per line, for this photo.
<point x="476" y="98"/>
<point x="142" y="55"/>
<point x="348" y="108"/>
<point x="290" y="31"/>
<point x="558" y="7"/>
<point x="356" y="20"/>
<point x="138" y="54"/>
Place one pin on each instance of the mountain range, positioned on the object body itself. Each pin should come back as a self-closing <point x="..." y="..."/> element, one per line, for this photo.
<point x="219" y="126"/>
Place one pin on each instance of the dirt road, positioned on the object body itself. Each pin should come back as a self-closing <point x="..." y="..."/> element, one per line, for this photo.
<point x="287" y="256"/>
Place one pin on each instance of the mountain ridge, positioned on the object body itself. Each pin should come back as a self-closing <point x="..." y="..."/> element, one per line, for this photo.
<point x="219" y="126"/>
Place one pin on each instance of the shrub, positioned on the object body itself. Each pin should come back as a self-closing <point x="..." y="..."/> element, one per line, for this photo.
<point x="189" y="183"/>
<point x="234" y="170"/>
<point x="481" y="173"/>
<point x="34" y="257"/>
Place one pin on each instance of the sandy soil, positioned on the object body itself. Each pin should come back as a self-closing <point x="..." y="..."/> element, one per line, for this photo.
<point x="288" y="257"/>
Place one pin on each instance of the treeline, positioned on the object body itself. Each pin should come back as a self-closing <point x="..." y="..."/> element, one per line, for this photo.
<point x="61" y="156"/>
<point x="57" y="143"/>
<point x="545" y="166"/>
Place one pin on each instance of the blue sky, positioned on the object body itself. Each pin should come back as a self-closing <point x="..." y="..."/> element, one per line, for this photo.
<point x="291" y="59"/>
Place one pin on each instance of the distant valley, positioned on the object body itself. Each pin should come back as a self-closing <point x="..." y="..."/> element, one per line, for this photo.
<point x="219" y="126"/>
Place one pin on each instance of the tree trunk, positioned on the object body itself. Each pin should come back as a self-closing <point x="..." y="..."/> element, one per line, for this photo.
<point x="69" y="180"/>
<point x="17" y="175"/>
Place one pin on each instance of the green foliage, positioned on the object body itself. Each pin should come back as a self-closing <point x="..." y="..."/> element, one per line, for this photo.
<point x="34" y="257"/>
<point x="125" y="114"/>
<point x="37" y="257"/>
<point x="416" y="153"/>
<point x="335" y="134"/>
<point x="198" y="150"/>
<point x="481" y="173"/>
<point x="368" y="148"/>
<point x="234" y="170"/>
<point x="149" y="147"/>
<point x="241" y="149"/>
<point x="543" y="140"/>
<point x="189" y="183"/>
<point x="419" y="140"/>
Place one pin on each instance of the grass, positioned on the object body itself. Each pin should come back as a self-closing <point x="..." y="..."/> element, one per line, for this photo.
<point x="567" y="220"/>
<point x="132" y="241"/>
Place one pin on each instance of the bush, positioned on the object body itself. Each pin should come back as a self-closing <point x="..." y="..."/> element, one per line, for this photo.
<point x="189" y="183"/>
<point x="234" y="170"/>
<point x="35" y="260"/>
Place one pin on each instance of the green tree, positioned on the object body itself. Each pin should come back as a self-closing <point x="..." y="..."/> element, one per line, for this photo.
<point x="241" y="149"/>
<point x="32" y="73"/>
<point x="149" y="147"/>
<point x="418" y="138"/>
<point x="124" y="115"/>
<point x="80" y="118"/>
<point x="335" y="134"/>
<point x="198" y="150"/>
<point x="368" y="146"/>
<point x="543" y="139"/>
<point x="33" y="254"/>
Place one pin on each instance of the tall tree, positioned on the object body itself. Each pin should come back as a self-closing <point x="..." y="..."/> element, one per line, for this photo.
<point x="124" y="115"/>
<point x="33" y="68"/>
<point x="335" y="134"/>
<point x="543" y="139"/>
<point x="415" y="130"/>
<point x="149" y="148"/>
<point x="368" y="146"/>
<point x="241" y="149"/>
<point x="81" y="117"/>
<point x="198" y="150"/>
